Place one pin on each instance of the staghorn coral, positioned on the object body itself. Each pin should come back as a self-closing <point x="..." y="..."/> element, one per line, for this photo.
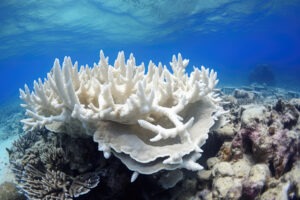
<point x="32" y="148"/>
<point x="25" y="141"/>
<point x="54" y="157"/>
<point x="47" y="169"/>
<point x="151" y="120"/>
<point x="38" y="185"/>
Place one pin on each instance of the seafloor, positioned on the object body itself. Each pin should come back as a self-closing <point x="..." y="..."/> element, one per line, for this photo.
<point x="255" y="156"/>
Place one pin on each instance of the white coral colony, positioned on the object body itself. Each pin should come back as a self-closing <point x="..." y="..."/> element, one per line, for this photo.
<point x="150" y="119"/>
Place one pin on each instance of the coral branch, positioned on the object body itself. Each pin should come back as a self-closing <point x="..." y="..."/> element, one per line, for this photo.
<point x="154" y="107"/>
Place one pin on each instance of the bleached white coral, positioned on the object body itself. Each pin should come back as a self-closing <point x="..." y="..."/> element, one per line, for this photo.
<point x="151" y="119"/>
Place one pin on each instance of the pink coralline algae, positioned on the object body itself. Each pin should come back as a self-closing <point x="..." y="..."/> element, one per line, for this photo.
<point x="273" y="140"/>
<point x="261" y="158"/>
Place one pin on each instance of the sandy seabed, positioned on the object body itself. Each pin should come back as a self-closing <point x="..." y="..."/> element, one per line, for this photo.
<point x="5" y="172"/>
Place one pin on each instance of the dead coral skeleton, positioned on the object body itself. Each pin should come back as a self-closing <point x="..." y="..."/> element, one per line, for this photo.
<point x="151" y="119"/>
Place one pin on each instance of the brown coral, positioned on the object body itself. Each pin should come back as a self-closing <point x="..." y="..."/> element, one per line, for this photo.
<point x="38" y="185"/>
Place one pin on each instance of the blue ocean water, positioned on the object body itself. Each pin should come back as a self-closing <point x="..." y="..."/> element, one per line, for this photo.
<point x="229" y="36"/>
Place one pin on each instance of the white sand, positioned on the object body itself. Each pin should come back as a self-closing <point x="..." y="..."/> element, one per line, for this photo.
<point x="5" y="172"/>
<point x="10" y="115"/>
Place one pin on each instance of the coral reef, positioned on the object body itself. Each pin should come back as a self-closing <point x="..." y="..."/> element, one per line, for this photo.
<point x="151" y="120"/>
<point x="57" y="166"/>
<point x="269" y="134"/>
<point x="55" y="184"/>
<point x="255" y="156"/>
<point x="256" y="160"/>
<point x="257" y="94"/>
<point x="286" y="187"/>
<point x="46" y="169"/>
<point x="154" y="122"/>
<point x="247" y="171"/>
